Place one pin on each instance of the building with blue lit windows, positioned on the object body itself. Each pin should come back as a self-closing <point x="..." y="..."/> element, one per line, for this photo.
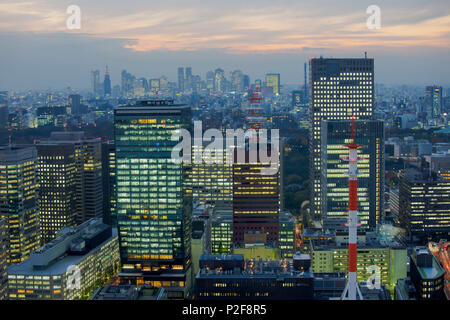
<point x="153" y="205"/>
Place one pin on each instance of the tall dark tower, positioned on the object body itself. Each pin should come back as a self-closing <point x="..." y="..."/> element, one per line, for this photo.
<point x="107" y="83"/>
<point x="339" y="90"/>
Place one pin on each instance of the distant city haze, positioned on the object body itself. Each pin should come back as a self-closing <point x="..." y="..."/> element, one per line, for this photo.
<point x="153" y="38"/>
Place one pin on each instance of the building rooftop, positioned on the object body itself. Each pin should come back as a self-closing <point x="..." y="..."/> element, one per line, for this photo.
<point x="427" y="264"/>
<point x="71" y="247"/>
<point x="128" y="292"/>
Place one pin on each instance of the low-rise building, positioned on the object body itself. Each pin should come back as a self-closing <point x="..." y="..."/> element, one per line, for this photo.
<point x="373" y="256"/>
<point x="241" y="279"/>
<point x="69" y="267"/>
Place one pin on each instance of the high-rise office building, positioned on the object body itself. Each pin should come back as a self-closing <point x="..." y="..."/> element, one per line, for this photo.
<point x="57" y="188"/>
<point x="107" y="83"/>
<point x="189" y="78"/>
<point x="109" y="182"/>
<point x="211" y="183"/>
<point x="88" y="172"/>
<point x="18" y="201"/>
<point x="95" y="82"/>
<point x="74" y="103"/>
<point x="3" y="259"/>
<point x="256" y="201"/>
<point x="273" y="81"/>
<point x="127" y="81"/>
<point x="210" y="80"/>
<point x="181" y="78"/>
<point x="339" y="89"/>
<point x="219" y="80"/>
<point x="237" y="81"/>
<point x="334" y="179"/>
<point x="424" y="205"/>
<point x="154" y="206"/>
<point x="4" y="112"/>
<point x="433" y="101"/>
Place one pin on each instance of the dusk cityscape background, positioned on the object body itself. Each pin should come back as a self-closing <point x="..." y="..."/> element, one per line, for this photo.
<point x="94" y="207"/>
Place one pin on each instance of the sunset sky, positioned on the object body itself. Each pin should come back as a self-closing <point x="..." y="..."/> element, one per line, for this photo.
<point x="153" y="38"/>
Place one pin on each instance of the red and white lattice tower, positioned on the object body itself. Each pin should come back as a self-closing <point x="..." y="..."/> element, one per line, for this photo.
<point x="351" y="289"/>
<point x="254" y="117"/>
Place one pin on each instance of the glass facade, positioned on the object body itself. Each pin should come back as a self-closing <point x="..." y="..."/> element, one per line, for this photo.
<point x="339" y="89"/>
<point x="334" y="179"/>
<point x="18" y="201"/>
<point x="153" y="206"/>
<point x="57" y="189"/>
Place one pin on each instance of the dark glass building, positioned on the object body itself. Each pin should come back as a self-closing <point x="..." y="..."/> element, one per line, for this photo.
<point x="57" y="188"/>
<point x="334" y="177"/>
<point x="153" y="207"/>
<point x="109" y="182"/>
<point x="424" y="205"/>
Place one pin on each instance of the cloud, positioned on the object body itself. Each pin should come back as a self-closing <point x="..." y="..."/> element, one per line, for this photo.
<point x="235" y="27"/>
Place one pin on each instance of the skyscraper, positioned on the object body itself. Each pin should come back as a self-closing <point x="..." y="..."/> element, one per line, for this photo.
<point x="219" y="80"/>
<point x="127" y="80"/>
<point x="424" y="205"/>
<point x="181" y="78"/>
<point x="256" y="201"/>
<point x="109" y="182"/>
<point x="4" y="113"/>
<point x="210" y="80"/>
<point x="75" y="104"/>
<point x="95" y="82"/>
<point x="188" y="80"/>
<point x="338" y="90"/>
<point x="211" y="183"/>
<point x="88" y="172"/>
<point x="433" y="101"/>
<point x="334" y="180"/>
<point x="153" y="206"/>
<point x="107" y="83"/>
<point x="57" y="190"/>
<point x="237" y="81"/>
<point x="273" y="81"/>
<point x="18" y="201"/>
